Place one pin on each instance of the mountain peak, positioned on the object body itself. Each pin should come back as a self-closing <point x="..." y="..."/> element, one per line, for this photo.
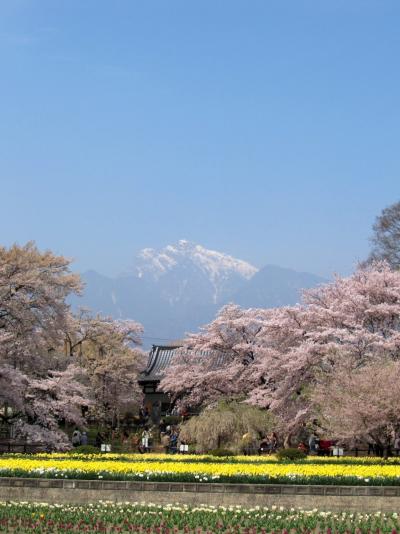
<point x="184" y="243"/>
<point x="214" y="264"/>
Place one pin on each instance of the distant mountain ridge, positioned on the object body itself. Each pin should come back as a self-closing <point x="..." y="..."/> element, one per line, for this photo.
<point x="274" y="286"/>
<point x="181" y="287"/>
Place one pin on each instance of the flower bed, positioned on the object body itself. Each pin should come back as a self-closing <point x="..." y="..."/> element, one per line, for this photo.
<point x="206" y="458"/>
<point x="174" y="518"/>
<point x="245" y="469"/>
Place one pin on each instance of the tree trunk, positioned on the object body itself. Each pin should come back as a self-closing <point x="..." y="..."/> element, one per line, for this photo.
<point x="287" y="442"/>
<point x="385" y="452"/>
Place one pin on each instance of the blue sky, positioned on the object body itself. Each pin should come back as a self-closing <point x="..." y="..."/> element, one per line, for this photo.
<point x="265" y="129"/>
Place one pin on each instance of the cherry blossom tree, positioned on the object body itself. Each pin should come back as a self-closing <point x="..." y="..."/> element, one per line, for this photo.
<point x="109" y="350"/>
<point x="353" y="320"/>
<point x="41" y="380"/>
<point x="215" y="363"/>
<point x="361" y="404"/>
<point x="33" y="310"/>
<point x="88" y="333"/>
<point x="114" y="383"/>
<point x="37" y="406"/>
<point x="33" y="314"/>
<point x="277" y="357"/>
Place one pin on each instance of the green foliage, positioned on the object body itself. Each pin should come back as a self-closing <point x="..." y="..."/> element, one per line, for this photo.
<point x="84" y="449"/>
<point x="290" y="454"/>
<point x="221" y="452"/>
<point x="225" y="425"/>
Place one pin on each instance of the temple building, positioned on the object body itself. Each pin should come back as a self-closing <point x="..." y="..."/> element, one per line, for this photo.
<point x="160" y="357"/>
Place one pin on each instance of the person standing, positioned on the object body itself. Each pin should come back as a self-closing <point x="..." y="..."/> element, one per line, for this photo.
<point x="76" y="438"/>
<point x="302" y="447"/>
<point x="265" y="446"/>
<point x="274" y="442"/>
<point x="165" y="441"/>
<point x="99" y="439"/>
<point x="173" y="441"/>
<point x="84" y="439"/>
<point x="312" y="444"/>
<point x="145" y="439"/>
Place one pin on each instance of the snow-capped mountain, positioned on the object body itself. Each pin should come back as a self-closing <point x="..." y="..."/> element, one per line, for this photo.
<point x="222" y="271"/>
<point x="178" y="288"/>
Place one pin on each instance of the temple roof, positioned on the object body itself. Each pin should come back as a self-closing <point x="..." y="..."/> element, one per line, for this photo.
<point x="160" y="358"/>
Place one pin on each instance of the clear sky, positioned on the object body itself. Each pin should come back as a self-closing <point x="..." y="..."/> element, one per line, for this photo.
<point x="266" y="129"/>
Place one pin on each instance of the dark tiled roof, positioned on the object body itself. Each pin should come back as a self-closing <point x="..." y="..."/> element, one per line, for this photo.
<point x="160" y="358"/>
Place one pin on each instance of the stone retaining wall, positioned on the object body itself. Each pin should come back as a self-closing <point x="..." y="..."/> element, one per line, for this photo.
<point x="355" y="498"/>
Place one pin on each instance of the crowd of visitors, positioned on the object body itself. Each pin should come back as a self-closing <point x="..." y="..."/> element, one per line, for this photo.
<point x="170" y="440"/>
<point x="149" y="436"/>
<point x="166" y="435"/>
<point x="379" y="449"/>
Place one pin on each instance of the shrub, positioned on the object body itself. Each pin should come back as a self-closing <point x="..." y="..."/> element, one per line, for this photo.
<point x="85" y="449"/>
<point x="224" y="425"/>
<point x="290" y="454"/>
<point x="221" y="452"/>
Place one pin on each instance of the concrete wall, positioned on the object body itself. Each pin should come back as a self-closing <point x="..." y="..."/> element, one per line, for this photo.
<point x="355" y="498"/>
